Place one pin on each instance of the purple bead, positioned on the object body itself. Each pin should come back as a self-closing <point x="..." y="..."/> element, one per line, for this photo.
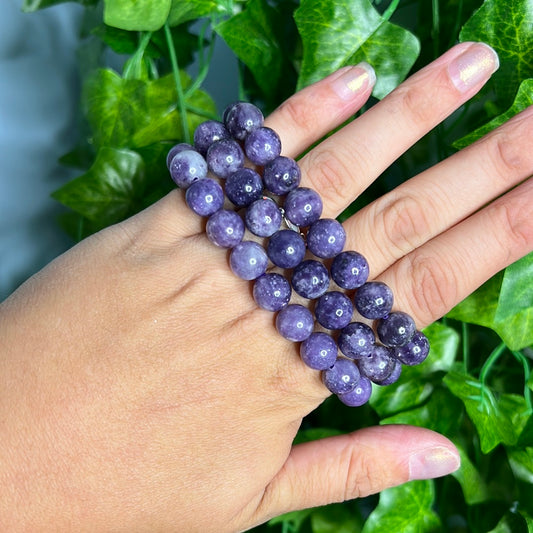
<point x="356" y="340"/>
<point x="319" y="351"/>
<point x="379" y="365"/>
<point x="342" y="377"/>
<point x="263" y="217"/>
<point x="359" y="395"/>
<point x="281" y="175"/>
<point x="415" y="351"/>
<point x="224" y="157"/>
<point x="326" y="238"/>
<point x="310" y="279"/>
<point x="209" y="132"/>
<point x="244" y="187"/>
<point x="272" y="292"/>
<point x="396" y="329"/>
<point x="286" y="248"/>
<point x="225" y="228"/>
<point x="248" y="260"/>
<point x="241" y="118"/>
<point x="349" y="270"/>
<point x="303" y="206"/>
<point x="295" y="322"/>
<point x="373" y="299"/>
<point x="176" y="149"/>
<point x="394" y="375"/>
<point x="187" y="167"/>
<point x="334" y="310"/>
<point x="205" y="197"/>
<point x="262" y="145"/>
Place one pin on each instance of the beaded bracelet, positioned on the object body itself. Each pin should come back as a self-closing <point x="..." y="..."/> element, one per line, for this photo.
<point x="235" y="175"/>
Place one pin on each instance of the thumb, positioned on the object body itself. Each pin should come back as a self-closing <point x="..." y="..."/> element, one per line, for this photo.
<point x="364" y="462"/>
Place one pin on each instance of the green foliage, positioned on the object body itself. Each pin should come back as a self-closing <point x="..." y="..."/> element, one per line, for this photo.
<point x="476" y="386"/>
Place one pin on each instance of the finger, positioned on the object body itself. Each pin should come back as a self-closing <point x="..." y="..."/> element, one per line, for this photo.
<point x="347" y="162"/>
<point x="356" y="465"/>
<point x="432" y="279"/>
<point x="316" y="110"/>
<point x="442" y="196"/>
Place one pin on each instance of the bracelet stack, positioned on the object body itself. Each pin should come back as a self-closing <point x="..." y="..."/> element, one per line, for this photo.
<point x="235" y="176"/>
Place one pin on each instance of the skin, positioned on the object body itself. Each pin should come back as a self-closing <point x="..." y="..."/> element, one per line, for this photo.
<point x="143" y="390"/>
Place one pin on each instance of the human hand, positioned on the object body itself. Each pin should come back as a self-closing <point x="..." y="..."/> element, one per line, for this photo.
<point x="144" y="390"/>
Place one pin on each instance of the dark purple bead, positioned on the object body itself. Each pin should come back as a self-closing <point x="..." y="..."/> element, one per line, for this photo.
<point x="205" y="197"/>
<point x="176" y="149"/>
<point x="326" y="238"/>
<point x="209" y="132"/>
<point x="225" y="228"/>
<point x="310" y="279"/>
<point x="303" y="206"/>
<point x="295" y="322"/>
<point x="349" y="270"/>
<point x="415" y="351"/>
<point x="379" y="365"/>
<point x="394" y="375"/>
<point x="373" y="299"/>
<point x="187" y="167"/>
<point x="248" y="260"/>
<point x="272" y="292"/>
<point x="359" y="395"/>
<point x="241" y="118"/>
<point x="342" y="377"/>
<point x="286" y="248"/>
<point x="281" y="175"/>
<point x="356" y="340"/>
<point x="319" y="351"/>
<point x="334" y="310"/>
<point x="397" y="329"/>
<point x="225" y="157"/>
<point x="244" y="187"/>
<point x="262" y="145"/>
<point x="263" y="217"/>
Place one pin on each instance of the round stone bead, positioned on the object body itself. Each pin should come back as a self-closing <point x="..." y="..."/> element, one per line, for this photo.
<point x="286" y="248"/>
<point x="359" y="395"/>
<point x="349" y="270"/>
<point x="176" y="149"/>
<point x="303" y="206"/>
<point x="414" y="352"/>
<point x="187" y="167"/>
<point x="356" y="340"/>
<point x="207" y="133"/>
<point x="373" y="300"/>
<point x="241" y="118"/>
<point x="342" y="377"/>
<point x="393" y="377"/>
<point x="262" y="145"/>
<point x="397" y="329"/>
<point x="281" y="175"/>
<point x="319" y="351"/>
<point x="379" y="365"/>
<point x="225" y="157"/>
<point x="225" y="228"/>
<point x="326" y="238"/>
<point x="295" y="322"/>
<point x="263" y="217"/>
<point x="205" y="197"/>
<point x="244" y="187"/>
<point x="248" y="260"/>
<point x="272" y="292"/>
<point x="310" y="279"/>
<point x="334" y="310"/>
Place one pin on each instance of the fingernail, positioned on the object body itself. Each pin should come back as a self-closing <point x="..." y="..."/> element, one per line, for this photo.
<point x="433" y="462"/>
<point x="354" y="80"/>
<point x="473" y="66"/>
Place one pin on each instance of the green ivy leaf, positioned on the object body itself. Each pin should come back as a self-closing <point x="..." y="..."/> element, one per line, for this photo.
<point x="407" y="508"/>
<point x="294" y="519"/>
<point x="34" y="5"/>
<point x="307" y="435"/>
<point x="506" y="26"/>
<point x="185" y="10"/>
<point x="475" y="489"/>
<point x="109" y="190"/>
<point x="344" y="32"/>
<point x="521" y="461"/>
<point x="334" y="518"/>
<point x="136" y="15"/>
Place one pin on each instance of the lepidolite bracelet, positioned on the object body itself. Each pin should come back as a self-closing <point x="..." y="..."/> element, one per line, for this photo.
<point x="235" y="175"/>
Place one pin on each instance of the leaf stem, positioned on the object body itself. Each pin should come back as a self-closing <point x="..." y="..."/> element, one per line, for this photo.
<point x="204" y="63"/>
<point x="435" y="30"/>
<point x="493" y="357"/>
<point x="179" y="88"/>
<point x="387" y="14"/>
<point x="521" y="358"/>
<point x="466" y="346"/>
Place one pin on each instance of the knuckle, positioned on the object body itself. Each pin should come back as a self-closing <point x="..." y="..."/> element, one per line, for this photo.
<point x="362" y="478"/>
<point x="300" y="114"/>
<point x="513" y="223"/>
<point x="416" y="103"/>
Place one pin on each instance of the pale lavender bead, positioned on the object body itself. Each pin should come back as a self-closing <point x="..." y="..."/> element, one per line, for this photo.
<point x="187" y="167"/>
<point x="356" y="340"/>
<point x="272" y="291"/>
<point x="295" y="322"/>
<point x="310" y="279"/>
<point x="248" y="260"/>
<point x="205" y="197"/>
<point x="209" y="132"/>
<point x="176" y="149"/>
<point x="262" y="145"/>
<point x="286" y="248"/>
<point x="281" y="175"/>
<point x="241" y="118"/>
<point x="379" y="365"/>
<point x="342" y="377"/>
<point x="326" y="238"/>
<point x="374" y="299"/>
<point x="303" y="206"/>
<point x="225" y="157"/>
<point x="319" y="351"/>
<point x="263" y="217"/>
<point x="415" y="351"/>
<point x="243" y="187"/>
<point x="349" y="270"/>
<point x="359" y="395"/>
<point x="225" y="228"/>
<point x="396" y="329"/>
<point x="334" y="310"/>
